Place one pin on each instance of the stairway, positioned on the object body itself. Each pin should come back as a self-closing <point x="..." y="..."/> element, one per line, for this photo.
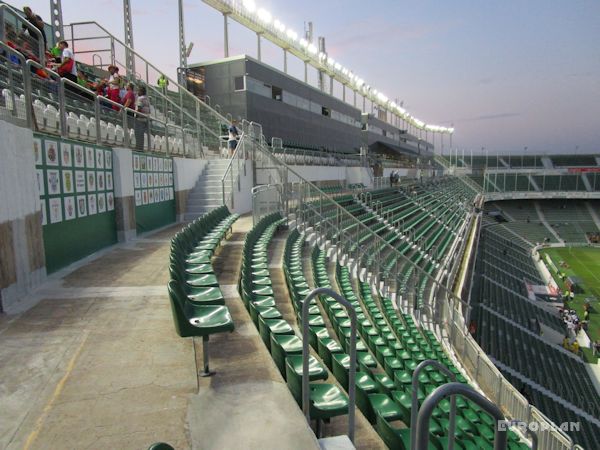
<point x="207" y="194"/>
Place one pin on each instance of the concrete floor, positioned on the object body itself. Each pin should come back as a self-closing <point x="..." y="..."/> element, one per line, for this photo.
<point x="96" y="364"/>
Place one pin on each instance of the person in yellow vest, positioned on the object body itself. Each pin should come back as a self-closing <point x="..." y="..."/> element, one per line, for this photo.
<point x="163" y="83"/>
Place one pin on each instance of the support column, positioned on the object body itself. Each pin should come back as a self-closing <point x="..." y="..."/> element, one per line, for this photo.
<point x="331" y="85"/>
<point x="124" y="194"/>
<point x="57" y="20"/>
<point x="22" y="258"/>
<point x="128" y="25"/>
<point x="225" y="36"/>
<point x="182" y="46"/>
<point x="306" y="71"/>
<point x="285" y="55"/>
<point x="258" y="50"/>
<point x="354" y="97"/>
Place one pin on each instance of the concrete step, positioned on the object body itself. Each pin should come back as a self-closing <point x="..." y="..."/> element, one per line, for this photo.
<point x="205" y="195"/>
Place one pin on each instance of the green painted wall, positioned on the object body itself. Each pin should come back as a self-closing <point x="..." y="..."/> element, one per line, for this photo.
<point x="67" y="242"/>
<point x="154" y="193"/>
<point x="75" y="183"/>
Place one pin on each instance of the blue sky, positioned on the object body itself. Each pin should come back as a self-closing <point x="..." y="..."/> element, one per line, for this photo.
<point x="507" y="74"/>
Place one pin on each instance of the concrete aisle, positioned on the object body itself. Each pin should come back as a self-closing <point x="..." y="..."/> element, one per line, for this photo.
<point x="97" y="364"/>
<point x="247" y="403"/>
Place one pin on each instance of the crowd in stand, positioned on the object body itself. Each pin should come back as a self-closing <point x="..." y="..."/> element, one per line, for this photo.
<point x="60" y="59"/>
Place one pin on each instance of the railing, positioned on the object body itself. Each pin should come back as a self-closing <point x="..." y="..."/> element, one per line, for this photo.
<point x="317" y="212"/>
<point x="90" y="41"/>
<point x="14" y="28"/>
<point x="58" y="106"/>
<point x="237" y="165"/>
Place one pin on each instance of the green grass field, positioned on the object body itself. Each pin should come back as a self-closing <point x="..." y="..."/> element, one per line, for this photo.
<point x="583" y="263"/>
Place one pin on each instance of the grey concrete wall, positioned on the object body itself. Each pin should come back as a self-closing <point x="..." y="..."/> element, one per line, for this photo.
<point x="185" y="173"/>
<point x="22" y="261"/>
<point x="124" y="194"/>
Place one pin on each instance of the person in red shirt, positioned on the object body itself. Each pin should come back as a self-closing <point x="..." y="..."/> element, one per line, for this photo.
<point x="129" y="102"/>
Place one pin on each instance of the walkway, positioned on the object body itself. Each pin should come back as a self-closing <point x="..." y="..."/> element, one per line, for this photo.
<point x="97" y="364"/>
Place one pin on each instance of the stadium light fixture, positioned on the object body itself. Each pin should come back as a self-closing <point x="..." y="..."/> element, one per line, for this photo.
<point x="264" y="16"/>
<point x="261" y="21"/>
<point x="250" y="5"/>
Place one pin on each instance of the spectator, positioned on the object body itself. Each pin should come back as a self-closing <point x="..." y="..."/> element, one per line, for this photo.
<point x="37" y="22"/>
<point x="142" y="106"/>
<point x="68" y="66"/>
<point x="391" y="178"/>
<point x="163" y="83"/>
<point x="56" y="53"/>
<point x="129" y="102"/>
<point x="82" y="79"/>
<point x="233" y="136"/>
<point x="114" y="86"/>
<point x="596" y="348"/>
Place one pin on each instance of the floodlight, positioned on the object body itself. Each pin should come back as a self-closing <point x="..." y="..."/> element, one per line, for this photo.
<point x="312" y="49"/>
<point x="337" y="66"/>
<point x="303" y="43"/>
<point x="249" y="5"/>
<point x="291" y="34"/>
<point x="264" y="15"/>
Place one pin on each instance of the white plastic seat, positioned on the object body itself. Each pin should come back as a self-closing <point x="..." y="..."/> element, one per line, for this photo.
<point x="119" y="134"/>
<point x="51" y="118"/>
<point x="91" y="129"/>
<point x="72" y="129"/>
<point x="110" y="133"/>
<point x="132" y="137"/>
<point x="8" y="99"/>
<point x="38" y="111"/>
<point x="103" y="131"/>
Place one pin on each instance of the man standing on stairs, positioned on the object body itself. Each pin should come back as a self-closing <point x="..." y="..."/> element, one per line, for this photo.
<point x="233" y="137"/>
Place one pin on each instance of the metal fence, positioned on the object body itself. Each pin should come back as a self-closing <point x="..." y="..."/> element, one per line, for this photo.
<point x="44" y="101"/>
<point x="97" y="47"/>
<point x="444" y="313"/>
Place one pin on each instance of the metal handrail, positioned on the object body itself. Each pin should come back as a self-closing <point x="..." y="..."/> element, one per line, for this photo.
<point x="229" y="168"/>
<point x="448" y="306"/>
<point x="62" y="82"/>
<point x="453" y="389"/>
<point x="305" y="355"/>
<point x="158" y="95"/>
<point x="6" y="7"/>
<point x="414" y="410"/>
<point x="137" y="55"/>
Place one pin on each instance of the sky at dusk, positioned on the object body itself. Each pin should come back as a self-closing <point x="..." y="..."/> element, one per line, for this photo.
<point x="507" y="74"/>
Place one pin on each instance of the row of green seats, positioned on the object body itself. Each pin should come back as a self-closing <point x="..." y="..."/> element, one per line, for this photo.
<point x="197" y="302"/>
<point x="326" y="400"/>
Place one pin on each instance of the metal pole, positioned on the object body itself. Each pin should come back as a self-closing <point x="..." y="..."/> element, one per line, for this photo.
<point x="285" y="62"/>
<point x="258" y="52"/>
<point x="128" y="26"/>
<point x="225" y="36"/>
<point x="500" y="435"/>
<point x="414" y="411"/>
<point x="57" y="20"/>
<point x="182" y="47"/>
<point x="306" y="71"/>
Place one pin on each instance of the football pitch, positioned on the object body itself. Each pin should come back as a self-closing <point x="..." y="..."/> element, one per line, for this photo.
<point x="584" y="264"/>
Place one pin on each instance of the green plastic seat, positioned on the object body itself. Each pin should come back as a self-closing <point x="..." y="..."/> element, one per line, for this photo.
<point x="266" y="312"/>
<point x="327" y="401"/>
<point x="197" y="296"/>
<point x="198" y="320"/>
<point x="385" y="407"/>
<point x="203" y="280"/>
<point x="282" y="346"/>
<point x="327" y="346"/>
<point x="384" y="383"/>
<point x="266" y="327"/>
